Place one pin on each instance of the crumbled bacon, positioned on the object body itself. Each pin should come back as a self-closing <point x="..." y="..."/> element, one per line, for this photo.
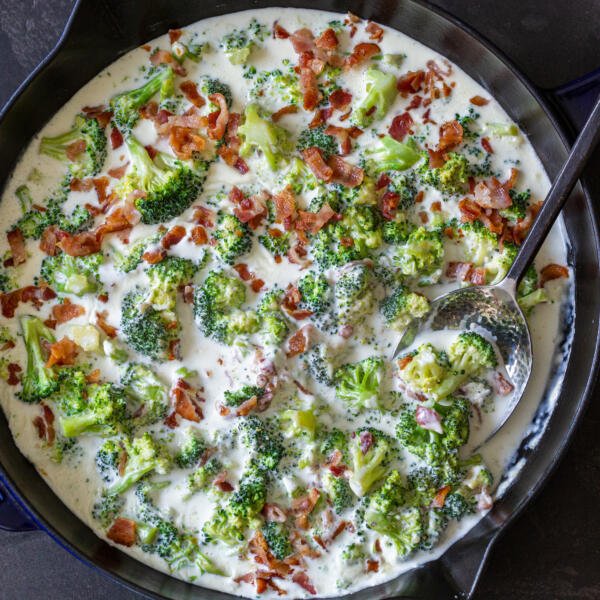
<point x="217" y="130"/>
<point x="451" y="134"/>
<point x="316" y="163"/>
<point x="100" y="186"/>
<point x="279" y="32"/>
<point x="185" y="401"/>
<point x="502" y="386"/>
<point x="520" y="230"/>
<point x="343" y="136"/>
<point x="366" y="441"/>
<point x="485" y="144"/>
<point x="290" y="109"/>
<point x="173" y="236"/>
<point x="16" y="241"/>
<point x="411" y="82"/>
<point x="428" y="418"/>
<point x="302" y="40"/>
<point x="401" y="126"/>
<point x="285" y="206"/>
<point x="478" y="100"/>
<point x="80" y="244"/>
<point x="314" y="222"/>
<point x="273" y="512"/>
<point x="469" y="210"/>
<point x="327" y="40"/>
<point x="551" y="272"/>
<point x="222" y="484"/>
<point x="253" y="209"/>
<point x="109" y="330"/>
<point x="375" y="31"/>
<point x="340" y="99"/>
<point x="459" y="271"/>
<point x="13" y="370"/>
<point x="415" y="102"/>
<point x="301" y="578"/>
<point x="81" y="185"/>
<point x="343" y="172"/>
<point x="118" y="172"/>
<point x="100" y="113"/>
<point x="361" y="53"/>
<point x="62" y="352"/>
<point x="154" y="255"/>
<point x="190" y="91"/>
<point x="204" y="216"/>
<point x="74" y="149"/>
<point x="440" y="497"/>
<point x="163" y="57"/>
<point x="297" y="343"/>
<point x="477" y="276"/>
<point x="122" y="532"/>
<point x="310" y="89"/>
<point x="66" y="311"/>
<point x="116" y="138"/>
<point x="372" y="566"/>
<point x="174" y="35"/>
<point x="198" y="235"/>
<point x="31" y="293"/>
<point x="492" y="194"/>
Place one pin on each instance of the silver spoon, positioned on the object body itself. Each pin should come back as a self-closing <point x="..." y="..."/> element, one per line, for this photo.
<point x="495" y="307"/>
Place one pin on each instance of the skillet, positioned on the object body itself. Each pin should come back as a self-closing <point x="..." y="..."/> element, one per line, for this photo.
<point x="99" y="31"/>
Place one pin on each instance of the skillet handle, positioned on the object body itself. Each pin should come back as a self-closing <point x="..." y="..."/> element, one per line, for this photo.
<point x="12" y="516"/>
<point x="576" y="98"/>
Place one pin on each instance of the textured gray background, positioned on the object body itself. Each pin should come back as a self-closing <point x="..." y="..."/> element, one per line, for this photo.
<point x="552" y="551"/>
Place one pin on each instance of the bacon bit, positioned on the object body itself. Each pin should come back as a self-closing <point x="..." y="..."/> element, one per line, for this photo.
<point x="93" y="377"/>
<point x="451" y="135"/>
<point x="302" y="40"/>
<point x="327" y="40"/>
<point x="484" y="500"/>
<point x="366" y="441"/>
<point x="163" y="57"/>
<point x="74" y="149"/>
<point x="100" y="113"/>
<point x="7" y="346"/>
<point x="285" y="206"/>
<point x="314" y="222"/>
<point x="118" y="172"/>
<point x="297" y="343"/>
<point x="485" y="144"/>
<point x="551" y="272"/>
<point x="174" y="35"/>
<point x="291" y="298"/>
<point x="437" y="158"/>
<point x="273" y="512"/>
<point x="429" y="418"/>
<point x="243" y="271"/>
<point x="171" y="420"/>
<point x="290" y="109"/>
<point x="492" y="194"/>
<point x="13" y="369"/>
<point x="415" y="102"/>
<point x="81" y="185"/>
<point x="190" y="91"/>
<point x="479" y="101"/>
<point x="426" y="116"/>
<point x="173" y="236"/>
<point x="340" y="99"/>
<point x="424" y="217"/>
<point x="477" y="276"/>
<point x="199" y="236"/>
<point x="116" y="138"/>
<point x="280" y="32"/>
<point x="460" y="271"/>
<point x="184" y="401"/>
<point x="222" y="484"/>
<point x="419" y="197"/>
<point x="502" y="386"/>
<point x="411" y="82"/>
<point x="440" y="497"/>
<point x="310" y="89"/>
<point x="49" y="239"/>
<point x="16" y="241"/>
<point x="257" y="285"/>
<point x="122" y="532"/>
<point x="154" y="255"/>
<point x="470" y="211"/>
<point x="315" y="161"/>
<point x="372" y="566"/>
<point x="436" y="206"/>
<point x="101" y="185"/>
<point x="185" y="142"/>
<point x="520" y="230"/>
<point x="63" y="352"/>
<point x="343" y="172"/>
<point x="204" y="216"/>
<point x="217" y="131"/>
<point x="375" y="31"/>
<point x="109" y="330"/>
<point x="149" y="110"/>
<point x="80" y="244"/>
<point x="66" y="311"/>
<point x="40" y="426"/>
<point x="36" y="295"/>
<point x="301" y="578"/>
<point x="401" y="126"/>
<point x="361" y="53"/>
<point x="251" y="210"/>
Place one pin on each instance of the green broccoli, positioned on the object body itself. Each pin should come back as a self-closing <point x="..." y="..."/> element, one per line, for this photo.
<point x="233" y="238"/>
<point x="278" y="244"/>
<point x="130" y="261"/>
<point x="402" y="306"/>
<point x="369" y="452"/>
<point x="191" y="450"/>
<point x="470" y="353"/>
<point x="107" y="508"/>
<point x="518" y="209"/>
<point x="380" y="93"/>
<point x="205" y="474"/>
<point x="125" y="106"/>
<point x="210" y="85"/>
<point x="449" y="178"/>
<point x="70" y="396"/>
<point x="315" y="291"/>
<point x="339" y="493"/>
<point x="277" y="536"/>
<point x="421" y="255"/>
<point x="276" y="88"/>
<point x="259" y="133"/>
<point x="84" y="147"/>
<point x="39" y="381"/>
<point x="264" y="441"/>
<point x="240" y="396"/>
<point x="169" y="185"/>
<point x="391" y="155"/>
<point x="149" y="392"/>
<point x="105" y="413"/>
<point x="238" y="44"/>
<point x="479" y="242"/>
<point x="317" y="138"/>
<point x="529" y="294"/>
<point x="299" y="423"/>
<point x="165" y="278"/>
<point x="108" y="457"/>
<point x="354" y="294"/>
<point x="359" y="384"/>
<point x="333" y="441"/>
<point x="320" y="364"/>
<point x="72" y="274"/>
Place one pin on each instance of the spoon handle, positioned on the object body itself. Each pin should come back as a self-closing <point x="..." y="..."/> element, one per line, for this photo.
<point x="558" y="194"/>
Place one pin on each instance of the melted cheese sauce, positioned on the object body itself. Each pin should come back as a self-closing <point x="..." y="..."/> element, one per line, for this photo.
<point x="77" y="483"/>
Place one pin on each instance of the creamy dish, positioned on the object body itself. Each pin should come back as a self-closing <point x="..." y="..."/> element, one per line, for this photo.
<point x="210" y="253"/>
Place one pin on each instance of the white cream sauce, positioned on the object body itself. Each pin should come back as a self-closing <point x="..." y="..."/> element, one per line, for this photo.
<point x="78" y="487"/>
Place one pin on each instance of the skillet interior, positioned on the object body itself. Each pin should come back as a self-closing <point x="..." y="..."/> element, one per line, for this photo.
<point x="103" y="30"/>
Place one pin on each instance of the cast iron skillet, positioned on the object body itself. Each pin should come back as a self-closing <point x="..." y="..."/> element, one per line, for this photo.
<point x="98" y="32"/>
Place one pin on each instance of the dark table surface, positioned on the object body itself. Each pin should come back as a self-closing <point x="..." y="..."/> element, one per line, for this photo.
<point x="552" y="550"/>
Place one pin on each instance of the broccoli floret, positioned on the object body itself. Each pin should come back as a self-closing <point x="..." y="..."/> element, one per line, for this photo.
<point x="529" y="294"/>
<point x="391" y="155"/>
<point x="470" y="353"/>
<point x="299" y="423"/>
<point x="317" y="138"/>
<point x="130" y="261"/>
<point x="248" y="500"/>
<point x="276" y="88"/>
<point x="70" y="397"/>
<point x="274" y="327"/>
<point x="339" y="493"/>
<point x="264" y="441"/>
<point x="104" y="414"/>
<point x="456" y="506"/>
<point x="479" y="242"/>
<point x="165" y="278"/>
<point x="210" y="85"/>
<point x="369" y="453"/>
<point x="422" y="255"/>
<point x="126" y="106"/>
<point x="233" y="238"/>
<point x="315" y="291"/>
<point x="353" y="294"/>
<point x="425" y="370"/>
<point x="429" y="444"/>
<point x="402" y="306"/>
<point x="107" y="459"/>
<point x="191" y="450"/>
<point x="359" y="384"/>
<point x="518" y="209"/>
<point x="449" y="178"/>
<point x="238" y="44"/>
<point x="301" y="179"/>
<point x="320" y="364"/>
<point x="204" y="475"/>
<point x="84" y="147"/>
<point x="149" y="392"/>
<point x="39" y="381"/>
<point x="258" y="133"/>
<point x="278" y="539"/>
<point x="334" y="440"/>
<point x="497" y="267"/>
<point x="72" y="274"/>
<point x="353" y="553"/>
<point x="147" y="330"/>
<point x="144" y="455"/>
<point x="380" y="93"/>
<point x="278" y="243"/>
<point x="169" y="185"/>
<point x="244" y="393"/>
<point x="225" y="528"/>
<point x="107" y="508"/>
<point x="214" y="300"/>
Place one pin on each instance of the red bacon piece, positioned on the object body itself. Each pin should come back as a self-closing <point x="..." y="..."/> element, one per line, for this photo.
<point x="62" y="352"/>
<point x="310" y="89"/>
<point x="297" y="343"/>
<point x="343" y="172"/>
<point x="16" y="241"/>
<point x="314" y="222"/>
<point x="340" y="99"/>
<point x="31" y="293"/>
<point x="492" y="194"/>
<point x="551" y="272"/>
<point x="279" y="32"/>
<point x="361" y="53"/>
<point x="285" y="206"/>
<point x="401" y="126"/>
<point x="109" y="330"/>
<point x="290" y="109"/>
<point x="122" y="532"/>
<point x="173" y="236"/>
<point x="190" y="91"/>
<point x="411" y="82"/>
<point x="375" y="31"/>
<point x="301" y="578"/>
<point x="66" y="311"/>
<point x="199" y="236"/>
<point x="429" y="418"/>
<point x="184" y="402"/>
<point x="217" y="131"/>
<point x="451" y="134"/>
<point x="479" y="101"/>
<point x="327" y="40"/>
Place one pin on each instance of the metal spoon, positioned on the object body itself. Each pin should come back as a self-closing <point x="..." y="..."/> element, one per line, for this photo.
<point x="495" y="307"/>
